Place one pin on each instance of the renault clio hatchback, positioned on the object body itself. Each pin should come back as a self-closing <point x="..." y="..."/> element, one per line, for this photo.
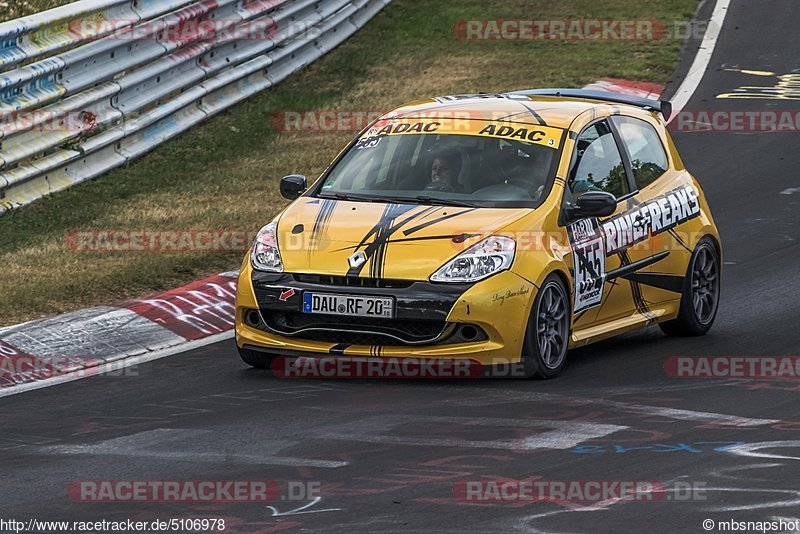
<point x="502" y="229"/>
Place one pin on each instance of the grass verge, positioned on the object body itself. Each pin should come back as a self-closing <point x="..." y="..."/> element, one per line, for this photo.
<point x="14" y="9"/>
<point x="224" y="174"/>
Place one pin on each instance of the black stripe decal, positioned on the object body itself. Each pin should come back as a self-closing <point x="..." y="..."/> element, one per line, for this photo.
<point x="321" y="222"/>
<point x="607" y="294"/>
<point x="510" y="116"/>
<point x="636" y="290"/>
<point x="677" y="238"/>
<point x="631" y="268"/>
<point x="424" y="225"/>
<point x="386" y="227"/>
<point x="532" y="112"/>
<point x="667" y="282"/>
<point x="383" y="230"/>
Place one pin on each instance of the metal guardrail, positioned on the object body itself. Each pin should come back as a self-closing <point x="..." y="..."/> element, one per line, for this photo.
<point x="89" y="86"/>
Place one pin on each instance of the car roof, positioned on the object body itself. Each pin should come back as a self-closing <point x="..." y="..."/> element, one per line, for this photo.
<point x="530" y="109"/>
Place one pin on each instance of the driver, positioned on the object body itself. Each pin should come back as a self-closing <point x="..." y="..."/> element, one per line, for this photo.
<point x="444" y="172"/>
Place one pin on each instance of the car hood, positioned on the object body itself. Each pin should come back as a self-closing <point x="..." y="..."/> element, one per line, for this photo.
<point x="399" y="241"/>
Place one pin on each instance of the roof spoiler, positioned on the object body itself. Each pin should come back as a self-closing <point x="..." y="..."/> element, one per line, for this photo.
<point x="661" y="106"/>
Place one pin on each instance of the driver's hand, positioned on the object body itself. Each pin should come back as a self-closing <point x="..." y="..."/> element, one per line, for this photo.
<point x="443" y="187"/>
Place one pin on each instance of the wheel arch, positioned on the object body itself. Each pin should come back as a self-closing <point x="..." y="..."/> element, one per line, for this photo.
<point x="561" y="272"/>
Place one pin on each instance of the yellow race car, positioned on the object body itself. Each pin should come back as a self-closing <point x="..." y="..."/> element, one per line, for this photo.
<point x="501" y="229"/>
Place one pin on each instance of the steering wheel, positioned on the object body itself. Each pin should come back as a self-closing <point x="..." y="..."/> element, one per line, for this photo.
<point x="442" y="187"/>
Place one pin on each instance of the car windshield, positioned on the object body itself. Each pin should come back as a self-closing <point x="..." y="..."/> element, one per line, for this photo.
<point x="480" y="163"/>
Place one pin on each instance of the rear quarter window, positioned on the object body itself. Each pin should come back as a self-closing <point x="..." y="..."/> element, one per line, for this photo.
<point x="648" y="158"/>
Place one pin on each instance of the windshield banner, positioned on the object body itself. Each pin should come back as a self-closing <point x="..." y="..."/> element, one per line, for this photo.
<point x="512" y="131"/>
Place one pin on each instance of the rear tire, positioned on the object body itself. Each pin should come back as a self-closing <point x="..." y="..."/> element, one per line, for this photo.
<point x="700" y="297"/>
<point x="256" y="359"/>
<point x="544" y="350"/>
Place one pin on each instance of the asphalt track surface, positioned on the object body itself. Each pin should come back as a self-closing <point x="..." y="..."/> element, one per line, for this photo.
<point x="388" y="453"/>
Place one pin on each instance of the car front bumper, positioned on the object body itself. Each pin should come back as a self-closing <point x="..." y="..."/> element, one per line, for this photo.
<point x="431" y="320"/>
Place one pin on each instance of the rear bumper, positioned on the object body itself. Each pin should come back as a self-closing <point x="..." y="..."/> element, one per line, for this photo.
<point x="497" y="308"/>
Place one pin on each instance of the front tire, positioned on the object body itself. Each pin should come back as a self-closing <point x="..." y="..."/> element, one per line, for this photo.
<point x="700" y="297"/>
<point x="256" y="359"/>
<point x="544" y="350"/>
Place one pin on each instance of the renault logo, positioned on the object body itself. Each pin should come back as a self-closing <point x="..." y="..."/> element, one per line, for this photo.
<point x="357" y="260"/>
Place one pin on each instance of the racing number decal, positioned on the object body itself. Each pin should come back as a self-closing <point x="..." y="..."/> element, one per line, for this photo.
<point x="589" y="255"/>
<point x="368" y="142"/>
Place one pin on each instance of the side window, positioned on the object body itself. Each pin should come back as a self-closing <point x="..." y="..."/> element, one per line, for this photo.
<point x="648" y="159"/>
<point x="598" y="165"/>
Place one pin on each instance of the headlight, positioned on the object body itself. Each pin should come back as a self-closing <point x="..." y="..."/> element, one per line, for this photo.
<point x="490" y="256"/>
<point x="265" y="255"/>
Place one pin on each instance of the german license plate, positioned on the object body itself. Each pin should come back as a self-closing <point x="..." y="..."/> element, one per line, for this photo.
<point x="350" y="305"/>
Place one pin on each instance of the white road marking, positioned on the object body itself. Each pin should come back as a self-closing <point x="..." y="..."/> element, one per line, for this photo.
<point x="790" y="191"/>
<point x="164" y="444"/>
<point x="504" y="397"/>
<point x="724" y="473"/>
<point x="524" y="523"/>
<point x="702" y="59"/>
<point x="751" y="450"/>
<point x="546" y="434"/>
<point x="302" y="509"/>
<point x="689" y="415"/>
<point x="792" y="499"/>
<point x="650" y="388"/>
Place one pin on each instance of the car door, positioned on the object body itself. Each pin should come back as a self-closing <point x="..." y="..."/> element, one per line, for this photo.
<point x="656" y="182"/>
<point x="605" y="249"/>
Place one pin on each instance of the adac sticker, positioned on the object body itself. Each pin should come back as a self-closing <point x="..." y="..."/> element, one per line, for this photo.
<point x="534" y="134"/>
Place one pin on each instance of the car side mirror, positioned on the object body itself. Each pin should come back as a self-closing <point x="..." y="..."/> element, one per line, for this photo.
<point x="293" y="186"/>
<point x="593" y="204"/>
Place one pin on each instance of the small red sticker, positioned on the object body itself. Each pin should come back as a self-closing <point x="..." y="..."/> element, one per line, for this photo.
<point x="286" y="295"/>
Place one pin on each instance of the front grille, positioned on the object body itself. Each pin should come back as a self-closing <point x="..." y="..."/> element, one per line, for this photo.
<point x="353" y="330"/>
<point x="350" y="338"/>
<point x="421" y="329"/>
<point x="351" y="281"/>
